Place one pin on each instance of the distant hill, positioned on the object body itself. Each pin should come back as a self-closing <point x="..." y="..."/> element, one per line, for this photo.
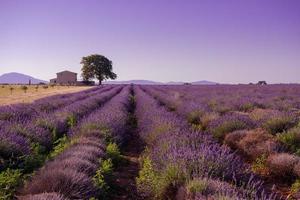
<point x="148" y="82"/>
<point x="193" y="83"/>
<point x="175" y="83"/>
<point x="138" y="82"/>
<point x="18" y="78"/>
<point x="204" y="83"/>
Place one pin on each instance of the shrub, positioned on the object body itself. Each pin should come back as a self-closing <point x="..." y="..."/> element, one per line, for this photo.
<point x="259" y="165"/>
<point x="257" y="142"/>
<point x="208" y="189"/>
<point x="35" y="159"/>
<point x="196" y="186"/>
<point x="157" y="132"/>
<point x="70" y="183"/>
<point x="76" y="163"/>
<point x="278" y="124"/>
<point x="227" y="127"/>
<point x="100" y="178"/>
<point x="24" y="88"/>
<point x="163" y="185"/>
<point x="171" y="179"/>
<point x="147" y="179"/>
<point x="232" y="139"/>
<point x="194" y="117"/>
<point x="296" y="186"/>
<point x="207" y="118"/>
<point x="223" y="110"/>
<point x="282" y="164"/>
<point x="200" y="120"/>
<point x="11" y="90"/>
<point x="9" y="181"/>
<point x="246" y="107"/>
<point x="261" y="115"/>
<point x="296" y="169"/>
<point x="113" y="152"/>
<point x="45" y="86"/>
<point x="43" y="196"/>
<point x="291" y="139"/>
<point x="59" y="146"/>
<point x="229" y="123"/>
<point x="71" y="120"/>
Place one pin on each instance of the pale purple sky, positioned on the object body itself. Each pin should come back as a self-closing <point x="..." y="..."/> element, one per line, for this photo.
<point x="228" y="41"/>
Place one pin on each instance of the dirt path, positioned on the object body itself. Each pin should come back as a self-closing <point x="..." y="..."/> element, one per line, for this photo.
<point x="123" y="183"/>
<point x="124" y="177"/>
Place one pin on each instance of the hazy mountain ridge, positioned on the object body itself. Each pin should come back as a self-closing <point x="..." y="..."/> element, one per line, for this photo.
<point x="18" y="78"/>
<point x="149" y="82"/>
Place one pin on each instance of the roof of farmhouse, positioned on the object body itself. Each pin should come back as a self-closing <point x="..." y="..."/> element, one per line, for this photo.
<point x="66" y="71"/>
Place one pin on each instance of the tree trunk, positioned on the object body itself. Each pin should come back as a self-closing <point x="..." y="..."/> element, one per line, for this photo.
<point x="100" y="82"/>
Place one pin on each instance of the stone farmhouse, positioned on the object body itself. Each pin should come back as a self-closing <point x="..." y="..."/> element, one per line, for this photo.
<point x="65" y="78"/>
<point x="69" y="78"/>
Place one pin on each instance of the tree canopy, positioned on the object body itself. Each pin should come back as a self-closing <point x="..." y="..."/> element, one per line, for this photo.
<point x="98" y="67"/>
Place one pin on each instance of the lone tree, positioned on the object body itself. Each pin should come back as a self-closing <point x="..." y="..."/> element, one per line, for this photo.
<point x="97" y="66"/>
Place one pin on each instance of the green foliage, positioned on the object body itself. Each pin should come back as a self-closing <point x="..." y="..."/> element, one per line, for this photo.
<point x="36" y="159"/>
<point x="291" y="139"/>
<point x="171" y="179"/>
<point x="107" y="167"/>
<point x="296" y="186"/>
<point x="147" y="179"/>
<point x="196" y="186"/>
<point x="159" y="185"/>
<point x="97" y="66"/>
<point x="227" y="127"/>
<point x="194" y="117"/>
<point x="247" y="107"/>
<point x="71" y="120"/>
<point x="9" y="181"/>
<point x="259" y="164"/>
<point x="113" y="152"/>
<point x="102" y="178"/>
<point x="278" y="124"/>
<point x="59" y="146"/>
<point x="102" y="174"/>
<point x="158" y="130"/>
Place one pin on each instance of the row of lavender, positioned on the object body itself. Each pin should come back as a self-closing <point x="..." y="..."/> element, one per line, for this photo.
<point x="183" y="164"/>
<point x="29" y="131"/>
<point x="262" y="123"/>
<point x="72" y="174"/>
<point x="223" y="98"/>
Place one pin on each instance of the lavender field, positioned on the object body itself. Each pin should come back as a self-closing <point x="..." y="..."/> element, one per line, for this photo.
<point x="154" y="142"/>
